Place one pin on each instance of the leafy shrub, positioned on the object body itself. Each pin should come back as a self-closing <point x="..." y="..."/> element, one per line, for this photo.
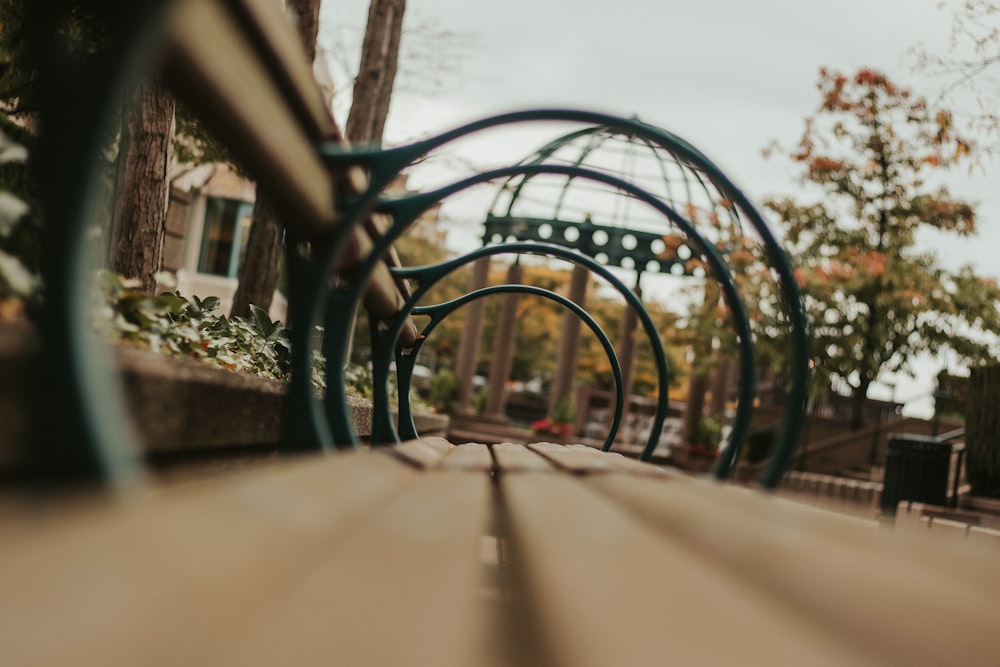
<point x="172" y="324"/>
<point x="444" y="391"/>
<point x="20" y="284"/>
<point x="708" y="432"/>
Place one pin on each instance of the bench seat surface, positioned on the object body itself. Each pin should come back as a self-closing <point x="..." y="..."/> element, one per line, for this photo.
<point x="433" y="554"/>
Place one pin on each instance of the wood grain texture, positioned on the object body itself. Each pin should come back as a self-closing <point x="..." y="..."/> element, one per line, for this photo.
<point x="512" y="457"/>
<point x="217" y="71"/>
<point x="606" y="590"/>
<point x="395" y="556"/>
<point x="582" y="459"/>
<point x="470" y="456"/>
<point x="175" y="580"/>
<point x="403" y="591"/>
<point x="423" y="453"/>
<point x="898" y="598"/>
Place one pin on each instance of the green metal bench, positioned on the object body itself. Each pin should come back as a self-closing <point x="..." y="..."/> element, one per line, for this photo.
<point x="249" y="86"/>
<point x="417" y="552"/>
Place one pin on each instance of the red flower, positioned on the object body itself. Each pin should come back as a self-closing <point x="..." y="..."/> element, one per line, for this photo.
<point x="555" y="428"/>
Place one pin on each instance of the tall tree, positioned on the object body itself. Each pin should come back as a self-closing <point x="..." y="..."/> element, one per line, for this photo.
<point x="261" y="263"/>
<point x="376" y="72"/>
<point x="138" y="221"/>
<point x="875" y="301"/>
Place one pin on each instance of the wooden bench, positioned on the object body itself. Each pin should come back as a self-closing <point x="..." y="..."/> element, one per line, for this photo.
<point x="426" y="553"/>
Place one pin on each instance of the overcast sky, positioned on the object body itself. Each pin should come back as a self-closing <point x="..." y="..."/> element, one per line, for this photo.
<point x="730" y="76"/>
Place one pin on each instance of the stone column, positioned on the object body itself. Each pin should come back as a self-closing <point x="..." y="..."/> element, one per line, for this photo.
<point x="697" y="384"/>
<point x="720" y="388"/>
<point x="472" y="333"/>
<point x="503" y="350"/>
<point x="626" y="355"/>
<point x="569" y="340"/>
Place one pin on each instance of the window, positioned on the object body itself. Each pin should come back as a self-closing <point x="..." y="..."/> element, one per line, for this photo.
<point x="224" y="236"/>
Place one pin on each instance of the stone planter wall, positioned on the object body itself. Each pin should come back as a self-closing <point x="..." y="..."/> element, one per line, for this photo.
<point x="180" y="406"/>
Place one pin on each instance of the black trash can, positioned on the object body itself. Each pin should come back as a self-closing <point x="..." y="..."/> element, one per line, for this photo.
<point x="916" y="469"/>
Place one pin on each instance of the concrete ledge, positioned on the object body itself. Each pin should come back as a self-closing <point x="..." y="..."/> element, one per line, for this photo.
<point x="179" y="405"/>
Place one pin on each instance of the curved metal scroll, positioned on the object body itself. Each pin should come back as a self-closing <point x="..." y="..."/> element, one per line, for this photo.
<point x="384" y="165"/>
<point x="440" y="311"/>
<point x="405" y="210"/>
<point x="431" y="275"/>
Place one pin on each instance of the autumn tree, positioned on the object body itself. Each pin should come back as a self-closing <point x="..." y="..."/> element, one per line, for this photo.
<point x="875" y="300"/>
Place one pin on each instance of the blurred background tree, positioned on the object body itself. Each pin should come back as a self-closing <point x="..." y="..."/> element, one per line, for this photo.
<point x="875" y="301"/>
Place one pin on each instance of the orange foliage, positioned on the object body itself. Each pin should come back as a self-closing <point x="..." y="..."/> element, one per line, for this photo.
<point x="824" y="164"/>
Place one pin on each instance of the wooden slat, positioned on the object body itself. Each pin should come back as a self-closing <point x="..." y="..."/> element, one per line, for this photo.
<point x="582" y="459"/>
<point x="571" y="458"/>
<point x="606" y="590"/>
<point x="260" y="104"/>
<point x="177" y="580"/>
<point x="518" y="458"/>
<point x="469" y="456"/>
<point x="384" y="299"/>
<point x="902" y="600"/>
<point x="224" y="81"/>
<point x="382" y="295"/>
<point x="278" y="42"/>
<point x="403" y="591"/>
<point x="424" y="453"/>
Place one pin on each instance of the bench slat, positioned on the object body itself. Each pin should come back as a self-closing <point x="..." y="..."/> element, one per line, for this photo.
<point x="181" y="576"/>
<point x="279" y="44"/>
<point x="246" y="92"/>
<point x="897" y="597"/>
<point x="224" y="81"/>
<point x="518" y="458"/>
<point x="470" y="456"/>
<point x="609" y="591"/>
<point x="423" y="453"/>
<point x="581" y="459"/>
<point x="404" y="591"/>
<point x="585" y="459"/>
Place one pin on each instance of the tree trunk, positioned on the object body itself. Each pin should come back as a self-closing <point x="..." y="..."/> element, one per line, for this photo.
<point x="258" y="275"/>
<point x="858" y="399"/>
<point x="138" y="221"/>
<point x="306" y="15"/>
<point x="259" y="271"/>
<point x="377" y="71"/>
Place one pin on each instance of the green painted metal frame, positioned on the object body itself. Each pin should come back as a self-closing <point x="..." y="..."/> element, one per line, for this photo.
<point x="384" y="428"/>
<point x="82" y="433"/>
<point x="431" y="275"/>
<point x="92" y="437"/>
<point x="406" y="210"/>
<point x="378" y="164"/>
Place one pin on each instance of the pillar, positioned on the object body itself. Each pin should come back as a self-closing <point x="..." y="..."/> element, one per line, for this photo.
<point x="569" y="341"/>
<point x="503" y="350"/>
<point x="472" y="332"/>
<point x="721" y="381"/>
<point x="697" y="384"/>
<point x="626" y="355"/>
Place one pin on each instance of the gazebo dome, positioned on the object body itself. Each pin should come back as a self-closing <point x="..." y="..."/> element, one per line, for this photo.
<point x="601" y="221"/>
